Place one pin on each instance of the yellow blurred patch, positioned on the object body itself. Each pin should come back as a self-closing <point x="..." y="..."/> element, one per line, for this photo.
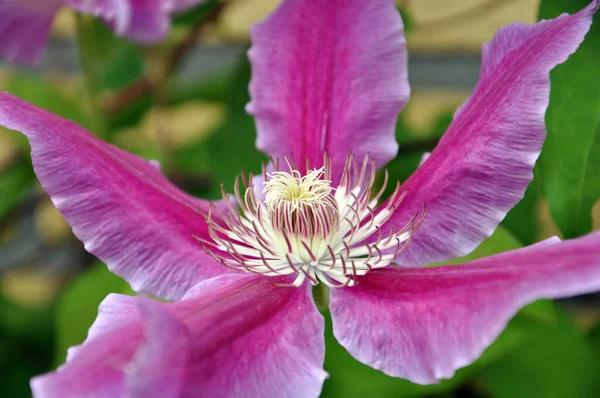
<point x="439" y="25"/>
<point x="173" y="127"/>
<point x="50" y="224"/>
<point x="9" y="148"/>
<point x="237" y="17"/>
<point x="442" y="25"/>
<point x="64" y="24"/>
<point x="425" y="107"/>
<point x="547" y="226"/>
<point x="596" y="215"/>
<point x="586" y="317"/>
<point x="30" y="287"/>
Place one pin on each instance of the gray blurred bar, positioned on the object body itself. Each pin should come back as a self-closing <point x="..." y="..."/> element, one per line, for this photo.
<point x="427" y="71"/>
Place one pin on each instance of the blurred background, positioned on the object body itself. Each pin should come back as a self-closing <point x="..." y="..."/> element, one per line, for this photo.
<point x="182" y="102"/>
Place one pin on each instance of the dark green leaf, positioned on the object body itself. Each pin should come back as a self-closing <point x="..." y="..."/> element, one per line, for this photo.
<point x="557" y="361"/>
<point x="408" y="21"/>
<point x="570" y="164"/>
<point x="350" y="378"/>
<point x="25" y="346"/>
<point x="195" y="14"/>
<point x="522" y="220"/>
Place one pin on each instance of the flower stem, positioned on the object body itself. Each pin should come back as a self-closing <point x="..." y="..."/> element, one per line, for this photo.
<point x="321" y="296"/>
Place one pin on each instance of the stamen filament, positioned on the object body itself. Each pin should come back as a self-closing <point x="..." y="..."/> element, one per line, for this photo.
<point x="307" y="228"/>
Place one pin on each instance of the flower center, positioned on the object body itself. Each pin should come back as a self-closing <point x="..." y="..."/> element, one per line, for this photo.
<point x="303" y="226"/>
<point x="301" y="205"/>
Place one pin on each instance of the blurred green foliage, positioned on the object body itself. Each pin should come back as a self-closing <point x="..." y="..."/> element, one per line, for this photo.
<point x="542" y="352"/>
<point x="43" y="93"/>
<point x="16" y="184"/>
<point x="26" y="346"/>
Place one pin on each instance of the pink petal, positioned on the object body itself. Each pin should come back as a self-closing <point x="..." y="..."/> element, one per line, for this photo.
<point x="270" y="339"/>
<point x="140" y="20"/>
<point x="483" y="164"/>
<point x="117" y="13"/>
<point x="329" y="76"/>
<point x="159" y="368"/>
<point x="235" y="335"/>
<point x="118" y="204"/>
<point x="24" y="28"/>
<point x="423" y="324"/>
<point x="150" y="21"/>
<point x="139" y="348"/>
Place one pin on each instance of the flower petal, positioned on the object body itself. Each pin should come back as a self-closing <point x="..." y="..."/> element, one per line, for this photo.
<point x="159" y="368"/>
<point x="235" y="335"/>
<point x="139" y="348"/>
<point x="329" y="76"/>
<point x="423" y="324"/>
<point x="483" y="164"/>
<point x="150" y="21"/>
<point x="270" y="339"/>
<point x="24" y="28"/>
<point x="140" y="20"/>
<point x="116" y="13"/>
<point x="121" y="207"/>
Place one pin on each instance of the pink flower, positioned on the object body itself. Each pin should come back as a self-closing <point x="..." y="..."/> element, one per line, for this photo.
<point x="329" y="79"/>
<point x="25" y="24"/>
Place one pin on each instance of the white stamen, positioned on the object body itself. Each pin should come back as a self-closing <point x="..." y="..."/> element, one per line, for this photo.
<point x="307" y="228"/>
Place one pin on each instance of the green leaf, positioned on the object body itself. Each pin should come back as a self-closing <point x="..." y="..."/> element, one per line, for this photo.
<point x="594" y="337"/>
<point x="16" y="183"/>
<point x="111" y="61"/>
<point x="557" y="361"/>
<point x="541" y="310"/>
<point x="350" y="378"/>
<point x="107" y="62"/>
<point x="570" y="161"/>
<point x="522" y="220"/>
<point x="500" y="241"/>
<point x="195" y="14"/>
<point x="78" y="307"/>
<point x="124" y="65"/>
<point x="409" y="23"/>
<point x="232" y="148"/>
<point x="36" y="90"/>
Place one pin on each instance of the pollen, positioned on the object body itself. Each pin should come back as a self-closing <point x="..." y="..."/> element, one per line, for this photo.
<point x="299" y="224"/>
<point x="301" y="205"/>
<point x="296" y="189"/>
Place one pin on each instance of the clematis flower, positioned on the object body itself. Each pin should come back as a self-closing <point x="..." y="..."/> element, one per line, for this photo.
<point x="329" y="79"/>
<point x="25" y="24"/>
